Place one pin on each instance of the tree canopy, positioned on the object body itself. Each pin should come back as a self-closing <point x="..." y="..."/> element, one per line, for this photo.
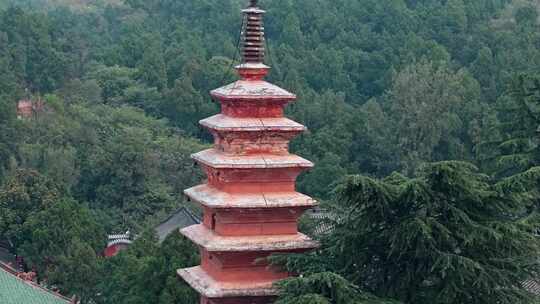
<point x="450" y="235"/>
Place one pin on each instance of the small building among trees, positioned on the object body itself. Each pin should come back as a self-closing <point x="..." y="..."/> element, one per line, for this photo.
<point x="27" y="108"/>
<point x="117" y="243"/>
<point x="182" y="218"/>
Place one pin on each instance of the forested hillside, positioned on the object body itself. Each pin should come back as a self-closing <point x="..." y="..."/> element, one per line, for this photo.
<point x="383" y="86"/>
<point x="78" y="5"/>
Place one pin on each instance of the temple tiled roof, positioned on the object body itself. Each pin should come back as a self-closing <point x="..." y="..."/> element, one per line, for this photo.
<point x="321" y="218"/>
<point x="532" y="286"/>
<point x="182" y="218"/>
<point x="16" y="291"/>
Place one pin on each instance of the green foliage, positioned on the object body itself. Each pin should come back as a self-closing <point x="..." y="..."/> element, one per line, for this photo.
<point x="152" y="67"/>
<point x="450" y="235"/>
<point x="340" y="56"/>
<point x="77" y="271"/>
<point x="118" y="160"/>
<point x="431" y="107"/>
<point x="48" y="234"/>
<point x="527" y="15"/>
<point x="113" y="81"/>
<point x="518" y="149"/>
<point x="184" y="106"/>
<point x="23" y="194"/>
<point x="146" y="272"/>
<point x="57" y="236"/>
<point x="323" y="288"/>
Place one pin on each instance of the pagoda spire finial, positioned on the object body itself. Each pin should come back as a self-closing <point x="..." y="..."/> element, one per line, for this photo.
<point x="253" y="44"/>
<point x="253" y="49"/>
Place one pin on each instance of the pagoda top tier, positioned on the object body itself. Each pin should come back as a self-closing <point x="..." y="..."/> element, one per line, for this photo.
<point x="252" y="90"/>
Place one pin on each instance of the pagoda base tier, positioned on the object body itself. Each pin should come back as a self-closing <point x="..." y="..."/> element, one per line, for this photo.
<point x="209" y="288"/>
<point x="243" y="300"/>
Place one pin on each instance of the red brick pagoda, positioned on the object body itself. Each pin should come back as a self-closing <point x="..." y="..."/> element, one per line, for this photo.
<point x="251" y="207"/>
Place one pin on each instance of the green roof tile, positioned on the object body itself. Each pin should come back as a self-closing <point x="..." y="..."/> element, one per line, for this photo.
<point x="15" y="291"/>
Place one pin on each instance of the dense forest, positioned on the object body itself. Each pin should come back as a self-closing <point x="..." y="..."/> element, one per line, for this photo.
<point x="424" y="124"/>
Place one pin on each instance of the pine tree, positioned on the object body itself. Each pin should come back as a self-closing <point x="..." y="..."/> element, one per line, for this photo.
<point x="448" y="236"/>
<point x="324" y="288"/>
<point x="431" y="107"/>
<point x="520" y="123"/>
<point x="185" y="106"/>
<point x="9" y="136"/>
<point x="152" y="69"/>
